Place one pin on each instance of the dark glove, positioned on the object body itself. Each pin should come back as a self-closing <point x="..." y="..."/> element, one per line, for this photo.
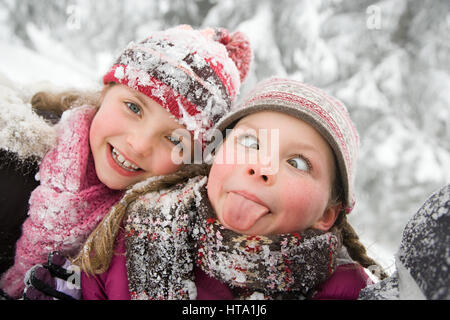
<point x="57" y="279"/>
<point x="4" y="296"/>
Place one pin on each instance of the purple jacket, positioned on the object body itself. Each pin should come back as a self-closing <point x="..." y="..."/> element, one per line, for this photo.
<point x="345" y="283"/>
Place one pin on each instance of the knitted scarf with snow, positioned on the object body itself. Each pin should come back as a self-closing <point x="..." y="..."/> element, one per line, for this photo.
<point x="167" y="232"/>
<point x="67" y="205"/>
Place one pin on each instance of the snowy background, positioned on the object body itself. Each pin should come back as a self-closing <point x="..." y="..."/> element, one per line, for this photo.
<point x="388" y="61"/>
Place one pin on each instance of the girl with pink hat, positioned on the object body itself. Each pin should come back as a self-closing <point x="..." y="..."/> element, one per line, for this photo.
<point x="179" y="78"/>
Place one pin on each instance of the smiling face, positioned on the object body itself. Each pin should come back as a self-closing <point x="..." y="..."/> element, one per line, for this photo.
<point x="132" y="138"/>
<point x="286" y="191"/>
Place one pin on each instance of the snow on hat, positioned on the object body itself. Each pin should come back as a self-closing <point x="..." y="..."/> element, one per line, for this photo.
<point x="194" y="74"/>
<point x="325" y="113"/>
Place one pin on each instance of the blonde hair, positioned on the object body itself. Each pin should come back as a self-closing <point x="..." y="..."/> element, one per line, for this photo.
<point x="95" y="257"/>
<point x="350" y="238"/>
<point x="57" y="103"/>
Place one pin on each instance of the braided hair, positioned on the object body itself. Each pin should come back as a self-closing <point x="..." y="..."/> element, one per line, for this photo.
<point x="350" y="238"/>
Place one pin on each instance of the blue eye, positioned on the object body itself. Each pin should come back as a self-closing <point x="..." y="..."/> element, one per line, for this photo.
<point x="249" y="141"/>
<point x="300" y="163"/>
<point x="134" y="108"/>
<point x="173" y="140"/>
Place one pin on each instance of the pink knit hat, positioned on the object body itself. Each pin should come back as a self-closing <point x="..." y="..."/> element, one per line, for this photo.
<point x="194" y="74"/>
<point x="325" y="113"/>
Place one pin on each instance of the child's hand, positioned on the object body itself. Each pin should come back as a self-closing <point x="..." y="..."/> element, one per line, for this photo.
<point x="4" y="296"/>
<point x="57" y="279"/>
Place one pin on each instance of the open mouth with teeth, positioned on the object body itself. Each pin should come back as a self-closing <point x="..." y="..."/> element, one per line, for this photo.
<point x="122" y="162"/>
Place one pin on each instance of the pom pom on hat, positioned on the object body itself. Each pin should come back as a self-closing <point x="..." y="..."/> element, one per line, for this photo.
<point x="238" y="47"/>
<point x="193" y="74"/>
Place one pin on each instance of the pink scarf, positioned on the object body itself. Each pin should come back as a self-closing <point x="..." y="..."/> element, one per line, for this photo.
<point x="67" y="205"/>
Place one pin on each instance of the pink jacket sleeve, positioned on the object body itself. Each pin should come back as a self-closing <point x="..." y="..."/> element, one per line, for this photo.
<point x="344" y="284"/>
<point x="113" y="284"/>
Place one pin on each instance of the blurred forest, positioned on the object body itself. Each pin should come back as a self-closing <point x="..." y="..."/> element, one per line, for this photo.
<point x="388" y="61"/>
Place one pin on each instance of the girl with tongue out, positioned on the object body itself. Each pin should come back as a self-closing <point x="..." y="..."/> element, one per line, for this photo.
<point x="288" y="191"/>
<point x="292" y="193"/>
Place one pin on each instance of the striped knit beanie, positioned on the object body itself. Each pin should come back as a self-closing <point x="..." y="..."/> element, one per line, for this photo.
<point x="193" y="74"/>
<point x="323" y="112"/>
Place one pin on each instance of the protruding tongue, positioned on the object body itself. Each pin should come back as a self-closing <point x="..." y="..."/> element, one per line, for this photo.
<point x="241" y="213"/>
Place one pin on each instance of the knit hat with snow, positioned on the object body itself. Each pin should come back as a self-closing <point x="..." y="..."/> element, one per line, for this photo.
<point x="194" y="74"/>
<point x="323" y="112"/>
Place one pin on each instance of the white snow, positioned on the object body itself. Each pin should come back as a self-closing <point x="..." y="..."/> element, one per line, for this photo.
<point x="51" y="64"/>
<point x="21" y="130"/>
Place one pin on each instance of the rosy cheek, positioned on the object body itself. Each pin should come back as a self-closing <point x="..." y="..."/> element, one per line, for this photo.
<point x="96" y="134"/>
<point x="292" y="198"/>
<point x="107" y="122"/>
<point x="93" y="134"/>
<point x="163" y="165"/>
<point x="217" y="178"/>
<point x="213" y="189"/>
<point x="297" y="206"/>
